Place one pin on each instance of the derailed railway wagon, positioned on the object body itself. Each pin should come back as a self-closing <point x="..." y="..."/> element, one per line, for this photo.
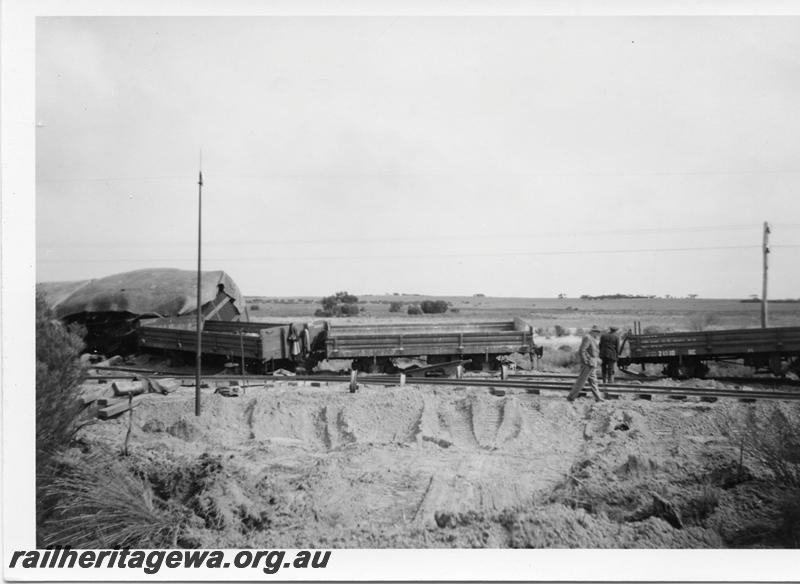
<point x="686" y="354"/>
<point x="375" y="346"/>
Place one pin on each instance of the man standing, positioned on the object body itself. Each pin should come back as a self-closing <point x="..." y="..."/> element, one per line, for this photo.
<point x="588" y="353"/>
<point x="609" y="353"/>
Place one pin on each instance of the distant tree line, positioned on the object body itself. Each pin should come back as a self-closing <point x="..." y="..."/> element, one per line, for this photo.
<point x="779" y="301"/>
<point x="616" y="296"/>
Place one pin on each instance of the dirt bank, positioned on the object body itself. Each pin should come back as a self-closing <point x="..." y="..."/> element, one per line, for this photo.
<point x="300" y="466"/>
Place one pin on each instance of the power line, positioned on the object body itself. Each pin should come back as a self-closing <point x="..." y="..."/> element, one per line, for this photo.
<point x="350" y="175"/>
<point x="538" y="235"/>
<point x="417" y="256"/>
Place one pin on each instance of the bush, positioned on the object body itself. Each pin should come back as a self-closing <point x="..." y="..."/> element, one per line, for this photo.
<point x="414" y="309"/>
<point x="563" y="358"/>
<point x="561" y="331"/>
<point x="433" y="306"/>
<point x="700" y="322"/>
<point x="774" y="441"/>
<point x="340" y="304"/>
<point x="58" y="377"/>
<point x="100" y="503"/>
<point x="349" y="309"/>
<point x="395" y="307"/>
<point x="771" y="438"/>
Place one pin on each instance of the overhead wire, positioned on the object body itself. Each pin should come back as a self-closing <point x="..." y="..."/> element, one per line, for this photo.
<point x="328" y="241"/>
<point x="345" y="175"/>
<point x="417" y="256"/>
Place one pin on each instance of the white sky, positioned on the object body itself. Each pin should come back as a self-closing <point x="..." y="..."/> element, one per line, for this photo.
<point x="512" y="156"/>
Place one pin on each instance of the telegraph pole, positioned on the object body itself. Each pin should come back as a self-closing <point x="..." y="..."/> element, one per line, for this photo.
<point x="765" y="254"/>
<point x="198" y="360"/>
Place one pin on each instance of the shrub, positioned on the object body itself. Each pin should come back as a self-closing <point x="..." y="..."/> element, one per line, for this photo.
<point x="563" y="358"/>
<point x="395" y="307"/>
<point x="414" y="309"/>
<point x="561" y="331"/>
<point x="349" y="309"/>
<point x="700" y="322"/>
<point x="255" y="307"/>
<point x="335" y="305"/>
<point x="100" y="503"/>
<point x="58" y="376"/>
<point x="433" y="306"/>
<point x="772" y="439"/>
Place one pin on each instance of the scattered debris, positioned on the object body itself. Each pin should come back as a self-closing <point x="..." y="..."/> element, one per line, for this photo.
<point x="126" y="388"/>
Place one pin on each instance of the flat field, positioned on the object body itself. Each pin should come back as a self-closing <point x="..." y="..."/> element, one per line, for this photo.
<point x="546" y="313"/>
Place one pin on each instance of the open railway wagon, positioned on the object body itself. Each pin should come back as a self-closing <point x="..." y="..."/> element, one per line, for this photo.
<point x="261" y="346"/>
<point x="372" y="347"/>
<point x="686" y="354"/>
<point x="376" y="346"/>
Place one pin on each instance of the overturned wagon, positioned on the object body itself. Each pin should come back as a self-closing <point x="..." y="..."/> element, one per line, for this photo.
<point x="683" y="354"/>
<point x="271" y="344"/>
<point x="371" y="347"/>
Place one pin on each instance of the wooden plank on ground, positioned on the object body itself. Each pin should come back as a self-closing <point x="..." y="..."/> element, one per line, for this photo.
<point x="166" y="385"/>
<point x="118" y="408"/>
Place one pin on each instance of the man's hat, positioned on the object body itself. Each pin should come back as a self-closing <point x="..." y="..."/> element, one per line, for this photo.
<point x="595" y="329"/>
<point x="613" y="329"/>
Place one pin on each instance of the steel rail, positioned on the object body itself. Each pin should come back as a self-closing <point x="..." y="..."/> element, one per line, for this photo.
<point x="631" y="380"/>
<point x="564" y="380"/>
<point x="527" y="386"/>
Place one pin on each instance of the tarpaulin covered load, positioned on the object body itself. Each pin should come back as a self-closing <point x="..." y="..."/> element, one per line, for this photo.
<point x="152" y="291"/>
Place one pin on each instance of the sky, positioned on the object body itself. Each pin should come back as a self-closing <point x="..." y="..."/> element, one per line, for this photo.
<point x="449" y="155"/>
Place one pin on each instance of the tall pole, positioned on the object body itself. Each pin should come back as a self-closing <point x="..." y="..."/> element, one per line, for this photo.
<point x="198" y="359"/>
<point x="765" y="254"/>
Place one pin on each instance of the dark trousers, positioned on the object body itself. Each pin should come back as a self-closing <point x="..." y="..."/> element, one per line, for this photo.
<point x="608" y="367"/>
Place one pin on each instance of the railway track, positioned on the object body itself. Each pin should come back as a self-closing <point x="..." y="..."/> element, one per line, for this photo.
<point x="640" y="379"/>
<point x="535" y="385"/>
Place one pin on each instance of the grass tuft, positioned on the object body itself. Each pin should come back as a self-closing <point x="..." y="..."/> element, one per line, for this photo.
<point x="100" y="503"/>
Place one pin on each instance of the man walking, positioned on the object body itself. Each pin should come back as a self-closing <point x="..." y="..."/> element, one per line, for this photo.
<point x="609" y="353"/>
<point x="588" y="354"/>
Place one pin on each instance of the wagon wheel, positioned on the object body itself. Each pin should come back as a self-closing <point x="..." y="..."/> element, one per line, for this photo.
<point x="687" y="368"/>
